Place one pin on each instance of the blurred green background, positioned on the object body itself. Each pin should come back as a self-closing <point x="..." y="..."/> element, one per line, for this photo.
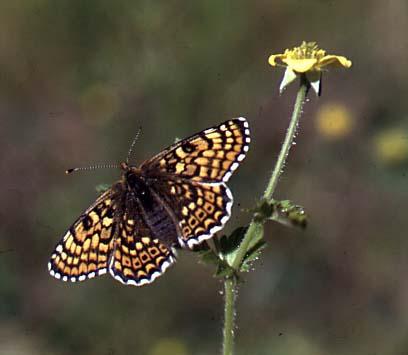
<point x="78" y="78"/>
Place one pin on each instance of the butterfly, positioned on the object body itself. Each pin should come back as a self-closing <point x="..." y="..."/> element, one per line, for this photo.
<point x="178" y="198"/>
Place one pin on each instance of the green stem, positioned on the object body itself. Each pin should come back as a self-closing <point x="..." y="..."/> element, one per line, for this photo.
<point x="290" y="135"/>
<point x="255" y="229"/>
<point x="229" y="290"/>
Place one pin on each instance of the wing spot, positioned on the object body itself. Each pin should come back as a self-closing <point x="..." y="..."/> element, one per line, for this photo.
<point x="93" y="256"/>
<point x="186" y="231"/>
<point x="184" y="211"/>
<point x="126" y="261"/>
<point x="153" y="251"/>
<point x="208" y="153"/>
<point x="201" y="161"/>
<point x="193" y="222"/>
<point x="200" y="214"/>
<point x="188" y="147"/>
<point x="136" y="263"/>
<point x="209" y="208"/>
<point x="144" y="256"/>
<point x="209" y="196"/>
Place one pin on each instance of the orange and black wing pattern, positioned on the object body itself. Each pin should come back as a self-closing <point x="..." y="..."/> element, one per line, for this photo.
<point x="138" y="258"/>
<point x="211" y="155"/>
<point x="201" y="209"/>
<point x="177" y="198"/>
<point x="85" y="249"/>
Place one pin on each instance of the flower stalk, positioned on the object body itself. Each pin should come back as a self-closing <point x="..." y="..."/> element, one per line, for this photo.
<point x="306" y="62"/>
<point x="255" y="229"/>
<point x="229" y="290"/>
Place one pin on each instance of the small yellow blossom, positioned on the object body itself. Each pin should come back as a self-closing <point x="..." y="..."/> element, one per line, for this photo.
<point x="391" y="146"/>
<point x="334" y="121"/>
<point x="309" y="60"/>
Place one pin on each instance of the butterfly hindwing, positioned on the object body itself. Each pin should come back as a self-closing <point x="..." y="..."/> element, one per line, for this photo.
<point x="138" y="258"/>
<point x="201" y="209"/>
<point x="211" y="155"/>
<point x="84" y="250"/>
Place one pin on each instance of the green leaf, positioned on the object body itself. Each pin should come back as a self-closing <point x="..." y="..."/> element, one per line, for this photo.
<point x="229" y="244"/>
<point x="209" y="257"/>
<point x="284" y="212"/>
<point x="290" y="214"/>
<point x="252" y="255"/>
<point x="224" y="270"/>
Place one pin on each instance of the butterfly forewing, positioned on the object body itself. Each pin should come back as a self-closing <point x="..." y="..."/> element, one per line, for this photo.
<point x="85" y="249"/>
<point x="211" y="155"/>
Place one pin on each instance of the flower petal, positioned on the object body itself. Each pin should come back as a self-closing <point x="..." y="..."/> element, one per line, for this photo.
<point x="300" y="65"/>
<point x="272" y="59"/>
<point x="335" y="60"/>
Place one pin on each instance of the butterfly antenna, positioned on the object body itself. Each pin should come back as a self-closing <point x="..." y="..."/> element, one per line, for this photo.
<point x="93" y="167"/>
<point x="133" y="144"/>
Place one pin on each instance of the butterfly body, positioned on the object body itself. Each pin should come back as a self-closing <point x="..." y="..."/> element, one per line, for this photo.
<point x="179" y="198"/>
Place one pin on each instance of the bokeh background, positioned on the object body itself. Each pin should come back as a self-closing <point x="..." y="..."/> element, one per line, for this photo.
<point x="77" y="79"/>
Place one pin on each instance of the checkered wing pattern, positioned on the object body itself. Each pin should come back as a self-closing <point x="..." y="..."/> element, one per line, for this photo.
<point x="208" y="156"/>
<point x="138" y="258"/>
<point x="84" y="250"/>
<point x="179" y="197"/>
<point x="201" y="209"/>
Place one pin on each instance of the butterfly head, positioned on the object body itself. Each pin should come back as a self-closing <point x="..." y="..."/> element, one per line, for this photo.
<point x="124" y="166"/>
<point x="132" y="176"/>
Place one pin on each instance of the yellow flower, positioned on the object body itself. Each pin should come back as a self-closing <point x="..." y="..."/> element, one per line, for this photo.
<point x="334" y="121"/>
<point x="307" y="60"/>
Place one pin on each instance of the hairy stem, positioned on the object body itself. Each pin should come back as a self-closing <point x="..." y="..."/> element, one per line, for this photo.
<point x="290" y="135"/>
<point x="255" y="229"/>
<point x="229" y="310"/>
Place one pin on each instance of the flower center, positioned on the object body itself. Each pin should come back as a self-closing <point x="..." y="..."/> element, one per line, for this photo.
<point x="307" y="50"/>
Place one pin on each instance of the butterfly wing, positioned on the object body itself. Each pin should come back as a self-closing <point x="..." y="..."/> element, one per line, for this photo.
<point x="209" y="156"/>
<point x="201" y="209"/>
<point x="84" y="250"/>
<point x="138" y="258"/>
